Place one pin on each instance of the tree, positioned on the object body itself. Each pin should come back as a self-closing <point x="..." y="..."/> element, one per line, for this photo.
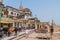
<point x="37" y="20"/>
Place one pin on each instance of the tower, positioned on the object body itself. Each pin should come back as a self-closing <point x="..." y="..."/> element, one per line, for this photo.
<point x="21" y="7"/>
<point x="52" y="27"/>
<point x="53" y="23"/>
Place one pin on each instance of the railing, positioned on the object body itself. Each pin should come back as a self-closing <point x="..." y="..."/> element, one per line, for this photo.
<point x="5" y="19"/>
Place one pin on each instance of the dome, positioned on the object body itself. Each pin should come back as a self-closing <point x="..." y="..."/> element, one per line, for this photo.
<point x="27" y="10"/>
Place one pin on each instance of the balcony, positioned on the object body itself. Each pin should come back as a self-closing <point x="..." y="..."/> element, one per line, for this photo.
<point x="5" y="19"/>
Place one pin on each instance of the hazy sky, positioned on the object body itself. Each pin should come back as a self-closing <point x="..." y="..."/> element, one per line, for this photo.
<point x="45" y="10"/>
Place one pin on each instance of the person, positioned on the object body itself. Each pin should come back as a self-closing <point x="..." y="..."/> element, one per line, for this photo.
<point x="19" y="28"/>
<point x="27" y="33"/>
<point x="10" y="30"/>
<point x="16" y="30"/>
<point x="5" y="29"/>
<point x="1" y="33"/>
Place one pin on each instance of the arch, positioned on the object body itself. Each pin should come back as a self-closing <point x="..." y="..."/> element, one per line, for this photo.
<point x="47" y="28"/>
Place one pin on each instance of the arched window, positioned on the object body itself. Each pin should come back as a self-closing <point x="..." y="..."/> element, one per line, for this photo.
<point x="45" y="27"/>
<point x="11" y="12"/>
<point x="33" y="26"/>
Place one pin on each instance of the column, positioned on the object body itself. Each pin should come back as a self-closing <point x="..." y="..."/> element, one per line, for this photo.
<point x="35" y="25"/>
<point x="13" y="24"/>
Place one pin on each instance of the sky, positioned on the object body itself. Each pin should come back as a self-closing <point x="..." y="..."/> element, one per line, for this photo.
<point x="45" y="10"/>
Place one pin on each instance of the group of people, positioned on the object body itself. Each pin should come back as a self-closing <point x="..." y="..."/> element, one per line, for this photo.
<point x="8" y="30"/>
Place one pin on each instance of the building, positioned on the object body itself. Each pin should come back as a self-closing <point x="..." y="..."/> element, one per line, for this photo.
<point x="12" y="17"/>
<point x="22" y="17"/>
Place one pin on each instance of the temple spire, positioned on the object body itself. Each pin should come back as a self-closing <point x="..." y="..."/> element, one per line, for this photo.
<point x="21" y="6"/>
<point x="53" y="22"/>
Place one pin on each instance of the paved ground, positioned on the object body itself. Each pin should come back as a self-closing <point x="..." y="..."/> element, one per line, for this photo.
<point x="56" y="37"/>
<point x="33" y="36"/>
<point x="30" y="37"/>
<point x="12" y="36"/>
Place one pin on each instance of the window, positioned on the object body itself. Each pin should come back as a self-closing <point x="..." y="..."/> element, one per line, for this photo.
<point x="32" y="19"/>
<point x="45" y="27"/>
<point x="17" y="14"/>
<point x="10" y="16"/>
<point x="37" y="26"/>
<point x="11" y="12"/>
<point x="33" y="26"/>
<point x="40" y="26"/>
